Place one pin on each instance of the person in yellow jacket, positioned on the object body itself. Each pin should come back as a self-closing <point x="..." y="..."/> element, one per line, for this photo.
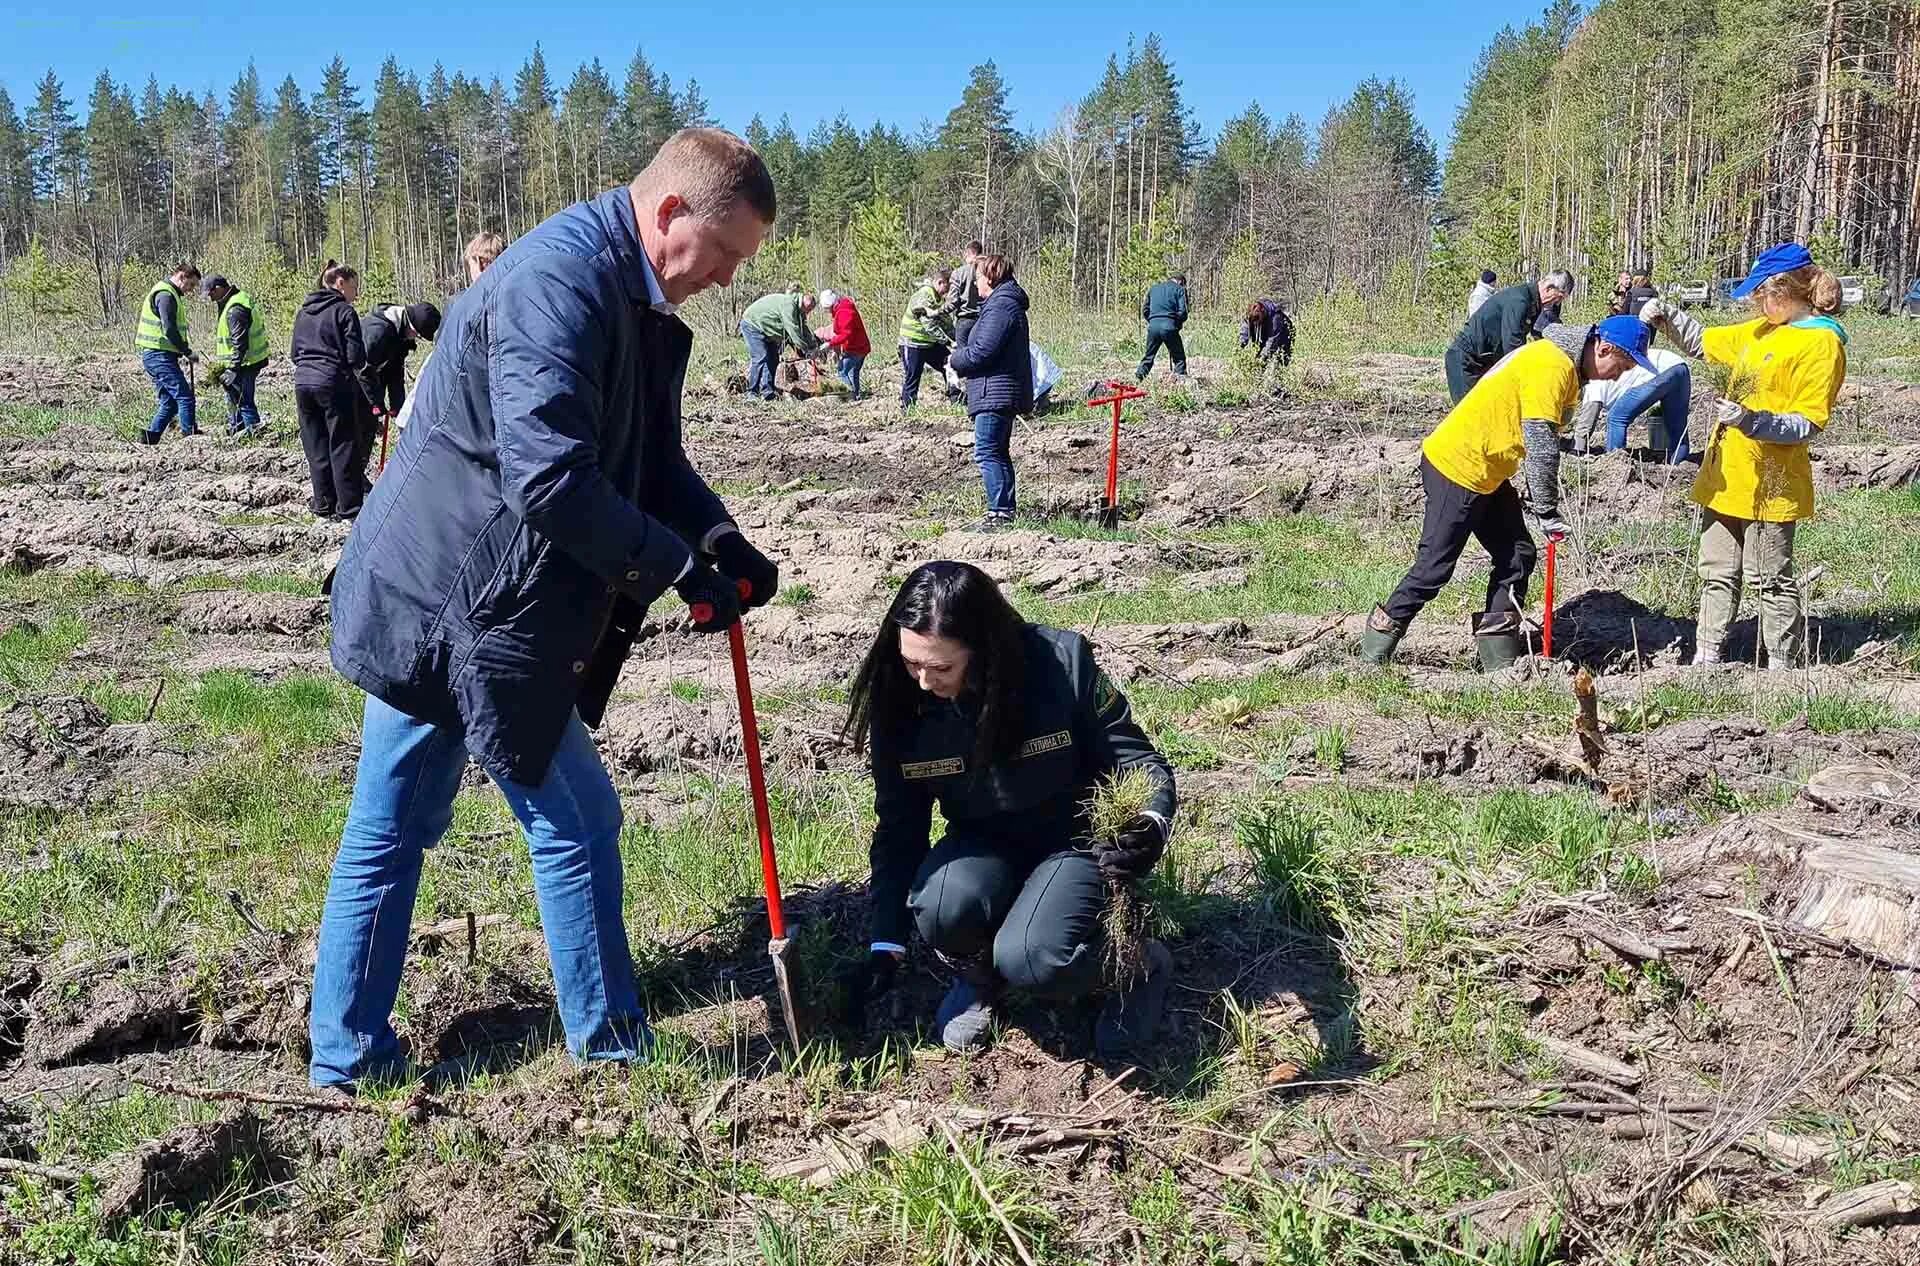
<point x="239" y="351"/>
<point x="1513" y="414"/>
<point x="1756" y="480"/>
<point x="160" y="336"/>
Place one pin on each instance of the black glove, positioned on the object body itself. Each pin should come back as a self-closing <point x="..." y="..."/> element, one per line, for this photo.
<point x="1133" y="854"/>
<point x="736" y="557"/>
<point x="713" y="600"/>
<point x="868" y="982"/>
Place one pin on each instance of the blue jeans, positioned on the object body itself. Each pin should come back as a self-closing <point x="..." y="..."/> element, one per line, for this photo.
<point x="173" y="389"/>
<point x="402" y="803"/>
<point x="242" y="414"/>
<point x="992" y="437"/>
<point x="762" y="354"/>
<point x="849" y="371"/>
<point x="1672" y="391"/>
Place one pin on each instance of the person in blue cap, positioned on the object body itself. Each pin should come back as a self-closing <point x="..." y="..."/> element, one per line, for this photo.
<point x="1756" y="479"/>
<point x="1515" y="412"/>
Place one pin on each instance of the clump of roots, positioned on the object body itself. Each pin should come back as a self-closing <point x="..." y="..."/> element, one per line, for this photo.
<point x="1117" y="800"/>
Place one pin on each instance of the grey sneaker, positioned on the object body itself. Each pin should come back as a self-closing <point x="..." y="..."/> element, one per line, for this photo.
<point x="1129" y="1021"/>
<point x="994" y="523"/>
<point x="965" y="1016"/>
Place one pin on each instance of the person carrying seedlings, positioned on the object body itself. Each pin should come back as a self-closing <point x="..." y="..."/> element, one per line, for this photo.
<point x="846" y="338"/>
<point x="239" y="352"/>
<point x="1499" y="327"/>
<point x="963" y="295"/>
<point x="1010" y="728"/>
<point x="926" y="334"/>
<point x="161" y="339"/>
<point x="1785" y="369"/>
<point x="1513" y="414"/>
<point x="1165" y="312"/>
<point x="328" y="361"/>
<point x="769" y="324"/>
<point x="997" y="362"/>
<point x="1482" y="291"/>
<point x="1266" y="325"/>
<point x="1667" y="393"/>
<point x="501" y="572"/>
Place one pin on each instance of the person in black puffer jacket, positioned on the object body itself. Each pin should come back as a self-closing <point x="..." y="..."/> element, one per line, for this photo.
<point x="328" y="361"/>
<point x="998" y="366"/>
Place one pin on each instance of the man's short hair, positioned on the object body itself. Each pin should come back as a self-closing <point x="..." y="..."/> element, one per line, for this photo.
<point x="184" y="269"/>
<point x="974" y="247"/>
<point x="1560" y="279"/>
<point x="711" y="170"/>
<point x="1180" y="278"/>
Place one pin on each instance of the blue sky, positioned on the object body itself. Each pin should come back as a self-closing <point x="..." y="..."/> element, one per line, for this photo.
<point x="903" y="61"/>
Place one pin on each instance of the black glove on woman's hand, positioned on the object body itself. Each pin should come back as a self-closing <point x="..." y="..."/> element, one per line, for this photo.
<point x="1139" y="845"/>
<point x="713" y="600"/>
<point x="735" y="556"/>
<point x="868" y="982"/>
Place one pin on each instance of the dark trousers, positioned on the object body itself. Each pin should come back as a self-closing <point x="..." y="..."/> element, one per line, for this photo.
<point x="913" y="359"/>
<point x="1035" y="915"/>
<point x="1462" y="373"/>
<point x="1453" y="514"/>
<point x="1163" y="334"/>
<point x="172" y="389"/>
<point x="242" y="413"/>
<point x="963" y="326"/>
<point x="371" y="430"/>
<point x="332" y="435"/>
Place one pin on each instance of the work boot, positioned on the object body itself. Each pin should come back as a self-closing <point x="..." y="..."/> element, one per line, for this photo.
<point x="1382" y="636"/>
<point x="965" y="1017"/>
<point x="1130" y="1020"/>
<point x="1497" y="640"/>
<point x="149" y="438"/>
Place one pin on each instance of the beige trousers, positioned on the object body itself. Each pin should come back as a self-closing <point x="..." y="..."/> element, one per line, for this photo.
<point x="1732" y="550"/>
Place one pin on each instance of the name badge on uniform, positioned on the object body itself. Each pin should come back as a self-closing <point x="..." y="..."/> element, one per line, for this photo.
<point x="1045" y="743"/>
<point x="933" y="768"/>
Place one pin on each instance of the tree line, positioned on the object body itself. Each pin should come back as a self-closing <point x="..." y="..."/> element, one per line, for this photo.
<point x="1684" y="135"/>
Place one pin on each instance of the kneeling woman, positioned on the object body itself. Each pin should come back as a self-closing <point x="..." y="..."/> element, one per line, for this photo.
<point x="1008" y="727"/>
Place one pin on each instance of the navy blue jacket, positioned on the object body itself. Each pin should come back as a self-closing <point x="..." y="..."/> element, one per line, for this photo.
<point x="996" y="361"/>
<point x="538" y="501"/>
<point x="1165" y="304"/>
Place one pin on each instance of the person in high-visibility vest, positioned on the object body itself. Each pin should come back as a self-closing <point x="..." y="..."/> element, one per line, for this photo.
<point x="161" y="339"/>
<point x="239" y="352"/>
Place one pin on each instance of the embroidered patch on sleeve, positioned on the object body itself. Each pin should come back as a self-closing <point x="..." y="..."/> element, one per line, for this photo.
<point x="933" y="768"/>
<point x="1106" y="695"/>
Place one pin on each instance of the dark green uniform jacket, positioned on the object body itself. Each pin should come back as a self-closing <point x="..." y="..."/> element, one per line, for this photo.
<point x="1501" y="325"/>
<point x="1077" y="727"/>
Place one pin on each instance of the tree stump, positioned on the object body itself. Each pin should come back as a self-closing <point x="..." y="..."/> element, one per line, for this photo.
<point x="1864" y="895"/>
<point x="1869" y="788"/>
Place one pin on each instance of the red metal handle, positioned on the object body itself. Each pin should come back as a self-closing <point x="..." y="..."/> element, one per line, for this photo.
<point x="1546" y="624"/>
<point x="757" y="780"/>
<point x="702" y="612"/>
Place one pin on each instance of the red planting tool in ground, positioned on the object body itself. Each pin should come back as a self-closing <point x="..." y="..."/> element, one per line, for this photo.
<point x="1120" y="393"/>
<point x="780" y="946"/>
<point x="1546" y="623"/>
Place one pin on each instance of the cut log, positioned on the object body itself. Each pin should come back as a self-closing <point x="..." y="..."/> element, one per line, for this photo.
<point x="1872" y="787"/>
<point x="1864" y="1206"/>
<point x="1586" y="724"/>
<point x="1572" y="1054"/>
<point x="1862" y="895"/>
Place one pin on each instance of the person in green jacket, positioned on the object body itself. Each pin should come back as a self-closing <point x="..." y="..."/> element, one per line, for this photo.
<point x="769" y="323"/>
<point x="239" y="351"/>
<point x="1165" y="311"/>
<point x="161" y="339"/>
<point x="926" y="333"/>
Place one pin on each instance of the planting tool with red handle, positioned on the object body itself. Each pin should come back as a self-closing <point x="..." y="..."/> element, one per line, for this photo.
<point x="1546" y="623"/>
<point x="386" y="421"/>
<point x="780" y="946"/>
<point x="1121" y="393"/>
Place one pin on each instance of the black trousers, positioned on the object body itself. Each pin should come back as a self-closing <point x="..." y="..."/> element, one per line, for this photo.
<point x="331" y="433"/>
<point x="1036" y="914"/>
<point x="1163" y="334"/>
<point x="914" y="358"/>
<point x="1453" y="514"/>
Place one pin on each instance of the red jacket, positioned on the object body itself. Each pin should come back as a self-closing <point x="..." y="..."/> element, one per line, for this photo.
<point x="849" y="331"/>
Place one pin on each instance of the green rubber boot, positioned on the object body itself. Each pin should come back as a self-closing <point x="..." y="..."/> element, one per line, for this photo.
<point x="1497" y="640"/>
<point x="1382" y="636"/>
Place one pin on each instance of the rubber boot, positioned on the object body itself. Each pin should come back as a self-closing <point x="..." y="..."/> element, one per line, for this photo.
<point x="1497" y="640"/>
<point x="1382" y="636"/>
<point x="965" y="1018"/>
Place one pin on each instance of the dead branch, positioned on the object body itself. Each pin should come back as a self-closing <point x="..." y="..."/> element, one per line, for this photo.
<point x="33" y="1169"/>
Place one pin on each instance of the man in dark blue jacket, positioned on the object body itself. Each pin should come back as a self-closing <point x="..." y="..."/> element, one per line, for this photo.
<point x="497" y="577"/>
<point x="997" y="362"/>
<point x="1165" y="311"/>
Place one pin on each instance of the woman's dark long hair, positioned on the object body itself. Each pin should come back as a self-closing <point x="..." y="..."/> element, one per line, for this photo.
<point x="958" y="601"/>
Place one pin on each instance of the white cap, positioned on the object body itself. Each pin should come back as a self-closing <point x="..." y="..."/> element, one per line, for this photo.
<point x="828" y="298"/>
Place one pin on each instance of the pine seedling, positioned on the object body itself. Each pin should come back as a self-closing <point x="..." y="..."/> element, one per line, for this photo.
<point x="1118" y="799"/>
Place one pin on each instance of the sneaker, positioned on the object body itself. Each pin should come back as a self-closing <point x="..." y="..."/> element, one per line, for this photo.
<point x="1130" y="1020"/>
<point x="965" y="1017"/>
<point x="994" y="523"/>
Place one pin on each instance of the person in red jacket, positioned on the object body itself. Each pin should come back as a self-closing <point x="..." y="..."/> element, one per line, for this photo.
<point x="848" y="338"/>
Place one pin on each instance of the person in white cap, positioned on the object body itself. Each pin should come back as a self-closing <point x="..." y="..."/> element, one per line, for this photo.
<point x="846" y="337"/>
